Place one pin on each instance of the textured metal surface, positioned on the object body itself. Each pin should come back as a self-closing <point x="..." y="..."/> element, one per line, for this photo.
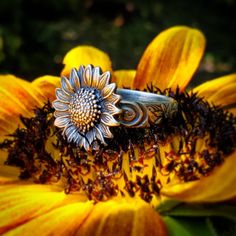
<point x="85" y="107"/>
<point x="140" y="109"/>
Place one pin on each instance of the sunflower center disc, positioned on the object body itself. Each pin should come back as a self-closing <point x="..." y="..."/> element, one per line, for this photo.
<point x="84" y="109"/>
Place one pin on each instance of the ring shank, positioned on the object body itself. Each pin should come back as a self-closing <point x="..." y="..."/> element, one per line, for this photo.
<point x="140" y="109"/>
<point x="143" y="97"/>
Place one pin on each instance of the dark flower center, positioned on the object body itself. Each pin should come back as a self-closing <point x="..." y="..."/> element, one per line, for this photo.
<point x="136" y="161"/>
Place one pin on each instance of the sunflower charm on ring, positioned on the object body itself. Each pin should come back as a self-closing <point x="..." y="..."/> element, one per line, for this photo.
<point x="85" y="106"/>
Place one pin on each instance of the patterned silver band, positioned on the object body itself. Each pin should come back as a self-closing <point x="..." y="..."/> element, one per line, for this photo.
<point x="140" y="109"/>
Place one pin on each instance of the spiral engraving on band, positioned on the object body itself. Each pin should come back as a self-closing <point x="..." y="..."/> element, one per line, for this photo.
<point x="141" y="109"/>
<point x="134" y="114"/>
<point x="137" y="115"/>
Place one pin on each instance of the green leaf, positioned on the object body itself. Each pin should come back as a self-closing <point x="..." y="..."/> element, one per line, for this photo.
<point x="197" y="210"/>
<point x="168" y="205"/>
<point x="223" y="226"/>
<point x="198" y="219"/>
<point x="212" y="227"/>
<point x="183" y="226"/>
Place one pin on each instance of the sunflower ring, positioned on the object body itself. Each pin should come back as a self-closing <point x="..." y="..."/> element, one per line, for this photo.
<point x="87" y="105"/>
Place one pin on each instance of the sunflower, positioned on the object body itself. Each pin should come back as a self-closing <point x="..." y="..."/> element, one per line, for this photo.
<point x="63" y="190"/>
<point x="86" y="98"/>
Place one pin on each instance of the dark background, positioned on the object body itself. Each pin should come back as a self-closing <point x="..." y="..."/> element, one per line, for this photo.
<point x="36" y="34"/>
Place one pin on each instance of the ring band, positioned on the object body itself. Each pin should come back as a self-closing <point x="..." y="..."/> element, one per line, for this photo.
<point x="87" y="105"/>
<point x="140" y="109"/>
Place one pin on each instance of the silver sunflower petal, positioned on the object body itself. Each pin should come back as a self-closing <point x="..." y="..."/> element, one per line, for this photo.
<point x="74" y="79"/>
<point x="80" y="142"/>
<point x="85" y="144"/>
<point x="114" y="98"/>
<point x="105" y="131"/>
<point x="66" y="86"/>
<point x="104" y="80"/>
<point x="108" y="90"/>
<point x="72" y="135"/>
<point x="80" y="73"/>
<point x="99" y="135"/>
<point x="62" y="96"/>
<point x="77" y="138"/>
<point x="91" y="136"/>
<point x="68" y="129"/>
<point x="96" y="75"/>
<point x="61" y="113"/>
<point x="108" y="119"/>
<point x="87" y="76"/>
<point x="111" y="108"/>
<point x="60" y="106"/>
<point x="61" y="121"/>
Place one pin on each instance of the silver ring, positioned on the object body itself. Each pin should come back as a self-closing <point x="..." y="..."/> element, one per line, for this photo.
<point x="87" y="106"/>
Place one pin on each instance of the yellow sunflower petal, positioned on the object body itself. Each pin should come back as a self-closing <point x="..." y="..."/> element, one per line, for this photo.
<point x="219" y="186"/>
<point x="8" y="174"/>
<point x="61" y="221"/>
<point x="220" y="91"/>
<point x="84" y="55"/>
<point x="17" y="97"/>
<point x="20" y="203"/>
<point x="171" y="58"/>
<point x="46" y="85"/>
<point x="18" y="89"/>
<point x="124" y="78"/>
<point x="123" y="217"/>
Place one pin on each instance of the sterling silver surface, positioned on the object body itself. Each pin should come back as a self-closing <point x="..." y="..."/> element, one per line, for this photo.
<point x="140" y="109"/>
<point x="87" y="105"/>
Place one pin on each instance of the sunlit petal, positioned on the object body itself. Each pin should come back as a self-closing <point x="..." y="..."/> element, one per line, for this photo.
<point x="220" y="92"/>
<point x="8" y="174"/>
<point x="171" y="59"/>
<point x="218" y="186"/>
<point x="124" y="78"/>
<point x="84" y="55"/>
<point x="65" y="220"/>
<point x="17" y="97"/>
<point x="46" y="85"/>
<point x="123" y="217"/>
<point x="21" y="203"/>
<point x="6" y="125"/>
<point x="19" y="89"/>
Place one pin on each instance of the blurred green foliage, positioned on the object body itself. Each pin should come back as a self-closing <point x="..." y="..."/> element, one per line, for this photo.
<point x="36" y="34"/>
